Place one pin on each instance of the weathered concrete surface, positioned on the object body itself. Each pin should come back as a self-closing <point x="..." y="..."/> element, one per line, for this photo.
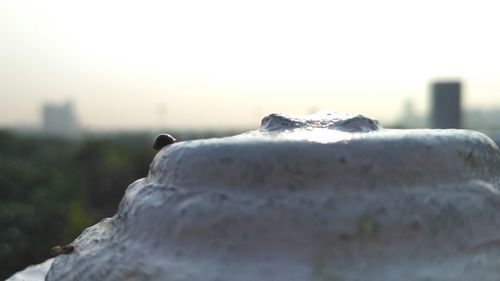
<point x="326" y="197"/>
<point x="33" y="273"/>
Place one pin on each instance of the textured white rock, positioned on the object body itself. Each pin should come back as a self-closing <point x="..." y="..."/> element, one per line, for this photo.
<point x="326" y="197"/>
<point x="33" y="273"/>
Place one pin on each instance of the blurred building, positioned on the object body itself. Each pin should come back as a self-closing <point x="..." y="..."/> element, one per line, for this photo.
<point x="410" y="118"/>
<point x="446" y="105"/>
<point x="482" y="119"/>
<point x="60" y="120"/>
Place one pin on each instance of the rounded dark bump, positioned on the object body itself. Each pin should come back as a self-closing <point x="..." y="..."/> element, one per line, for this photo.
<point x="55" y="251"/>
<point x="163" y="140"/>
<point x="344" y="236"/>
<point x="61" y="250"/>
<point x="67" y="249"/>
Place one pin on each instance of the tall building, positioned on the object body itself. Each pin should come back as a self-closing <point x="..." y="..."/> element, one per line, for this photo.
<point x="60" y="120"/>
<point x="446" y="105"/>
<point x="410" y="118"/>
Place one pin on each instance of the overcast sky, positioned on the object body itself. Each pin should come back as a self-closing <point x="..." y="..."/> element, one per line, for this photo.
<point x="222" y="64"/>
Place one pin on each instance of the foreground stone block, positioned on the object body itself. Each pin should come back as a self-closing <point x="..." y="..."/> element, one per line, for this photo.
<point x="322" y="197"/>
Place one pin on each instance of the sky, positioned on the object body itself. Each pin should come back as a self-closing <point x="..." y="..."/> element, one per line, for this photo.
<point x="225" y="64"/>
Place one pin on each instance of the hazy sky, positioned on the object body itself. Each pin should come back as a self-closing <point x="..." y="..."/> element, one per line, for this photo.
<point x="227" y="63"/>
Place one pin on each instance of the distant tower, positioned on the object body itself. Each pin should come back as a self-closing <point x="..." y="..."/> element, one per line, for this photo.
<point x="60" y="120"/>
<point x="408" y="117"/>
<point x="446" y="105"/>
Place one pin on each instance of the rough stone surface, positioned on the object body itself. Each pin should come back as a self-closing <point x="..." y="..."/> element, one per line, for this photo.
<point x="33" y="273"/>
<point x="328" y="120"/>
<point x="326" y="197"/>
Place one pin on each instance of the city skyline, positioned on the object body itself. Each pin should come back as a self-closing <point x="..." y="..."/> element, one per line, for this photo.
<point x="224" y="64"/>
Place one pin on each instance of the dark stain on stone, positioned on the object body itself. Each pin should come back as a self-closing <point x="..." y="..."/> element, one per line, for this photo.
<point x="366" y="168"/>
<point x="469" y="159"/>
<point x="226" y="160"/>
<point x="415" y="225"/>
<point x="380" y="211"/>
<point x="292" y="187"/>
<point x="368" y="227"/>
<point x="345" y="237"/>
<point x="222" y="197"/>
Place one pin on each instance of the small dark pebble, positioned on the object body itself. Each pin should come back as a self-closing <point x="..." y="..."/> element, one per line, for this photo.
<point x="61" y="250"/>
<point x="163" y="140"/>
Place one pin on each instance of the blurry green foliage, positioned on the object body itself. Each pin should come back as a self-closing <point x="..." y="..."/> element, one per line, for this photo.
<point x="50" y="190"/>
